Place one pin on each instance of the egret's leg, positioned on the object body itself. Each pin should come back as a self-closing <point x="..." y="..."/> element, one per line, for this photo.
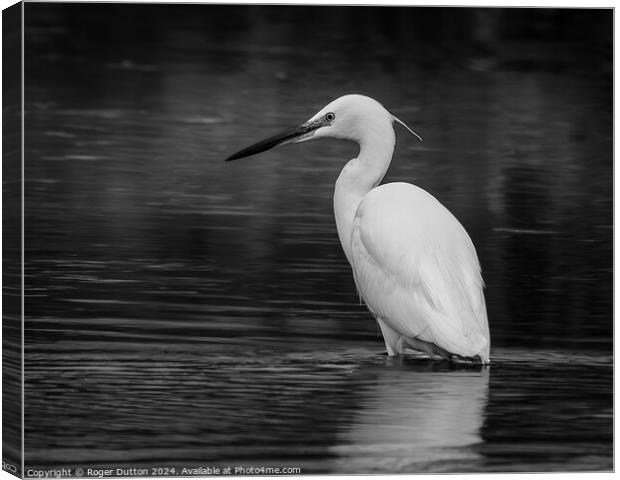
<point x="459" y="359"/>
<point x="396" y="344"/>
<point x="401" y="345"/>
<point x="390" y="337"/>
<point x="430" y="349"/>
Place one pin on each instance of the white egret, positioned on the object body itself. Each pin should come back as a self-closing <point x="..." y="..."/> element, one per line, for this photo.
<point x="413" y="263"/>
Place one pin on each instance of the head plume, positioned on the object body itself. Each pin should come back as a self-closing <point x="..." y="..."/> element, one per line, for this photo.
<point x="404" y="125"/>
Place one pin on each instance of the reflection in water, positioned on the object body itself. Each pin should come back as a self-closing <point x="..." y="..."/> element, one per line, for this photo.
<point x="415" y="418"/>
<point x="147" y="400"/>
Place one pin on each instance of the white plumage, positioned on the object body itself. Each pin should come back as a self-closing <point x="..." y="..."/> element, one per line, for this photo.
<point x="417" y="270"/>
<point x="413" y="262"/>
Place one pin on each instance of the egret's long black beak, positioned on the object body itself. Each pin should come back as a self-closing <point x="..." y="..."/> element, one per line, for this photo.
<point x="296" y="134"/>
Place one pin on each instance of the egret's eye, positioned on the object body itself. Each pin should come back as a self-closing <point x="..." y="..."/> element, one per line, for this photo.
<point x="330" y="117"/>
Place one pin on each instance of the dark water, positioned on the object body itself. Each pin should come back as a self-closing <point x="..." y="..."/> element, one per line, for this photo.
<point x="184" y="311"/>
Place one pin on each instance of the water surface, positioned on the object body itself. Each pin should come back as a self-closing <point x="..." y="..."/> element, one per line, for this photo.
<point x="185" y="311"/>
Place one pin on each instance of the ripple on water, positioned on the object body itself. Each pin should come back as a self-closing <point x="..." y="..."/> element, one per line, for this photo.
<point x="349" y="404"/>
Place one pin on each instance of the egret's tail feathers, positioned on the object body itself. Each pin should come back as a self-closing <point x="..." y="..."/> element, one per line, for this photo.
<point x="478" y="343"/>
<point x="470" y="343"/>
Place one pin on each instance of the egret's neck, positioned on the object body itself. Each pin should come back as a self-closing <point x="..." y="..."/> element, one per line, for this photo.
<point x="360" y="176"/>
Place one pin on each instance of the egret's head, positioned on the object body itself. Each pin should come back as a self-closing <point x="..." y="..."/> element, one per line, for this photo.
<point x="351" y="117"/>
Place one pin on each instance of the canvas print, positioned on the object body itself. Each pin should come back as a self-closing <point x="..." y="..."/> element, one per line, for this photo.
<point x="301" y="239"/>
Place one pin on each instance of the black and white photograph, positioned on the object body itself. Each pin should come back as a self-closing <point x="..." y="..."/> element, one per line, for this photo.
<point x="303" y="239"/>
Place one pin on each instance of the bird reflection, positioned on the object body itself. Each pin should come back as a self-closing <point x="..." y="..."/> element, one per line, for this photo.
<point x="414" y="418"/>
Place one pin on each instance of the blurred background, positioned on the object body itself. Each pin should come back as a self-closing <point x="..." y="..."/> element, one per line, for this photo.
<point x="182" y="309"/>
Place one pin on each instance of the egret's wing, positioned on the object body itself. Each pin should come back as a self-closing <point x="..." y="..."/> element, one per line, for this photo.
<point x="417" y="269"/>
